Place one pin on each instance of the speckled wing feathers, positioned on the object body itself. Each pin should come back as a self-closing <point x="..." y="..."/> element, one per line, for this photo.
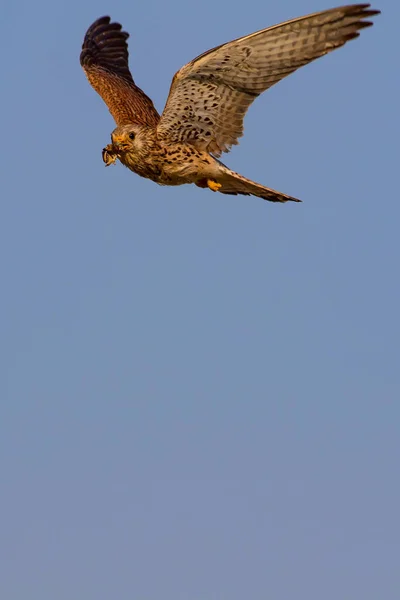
<point x="104" y="58"/>
<point x="210" y="95"/>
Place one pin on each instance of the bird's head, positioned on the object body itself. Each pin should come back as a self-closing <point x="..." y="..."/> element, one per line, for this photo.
<point x="127" y="138"/>
<point x="130" y="144"/>
<point x="126" y="141"/>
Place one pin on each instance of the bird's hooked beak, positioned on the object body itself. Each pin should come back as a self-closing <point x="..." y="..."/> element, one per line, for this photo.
<point x="119" y="142"/>
<point x="112" y="151"/>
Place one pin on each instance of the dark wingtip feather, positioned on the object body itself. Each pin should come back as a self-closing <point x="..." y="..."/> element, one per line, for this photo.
<point x="102" y="42"/>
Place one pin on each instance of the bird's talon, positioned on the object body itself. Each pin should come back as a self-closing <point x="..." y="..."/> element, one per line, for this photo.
<point x="214" y="185"/>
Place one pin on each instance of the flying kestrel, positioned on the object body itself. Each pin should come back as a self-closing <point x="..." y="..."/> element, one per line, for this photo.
<point x="208" y="98"/>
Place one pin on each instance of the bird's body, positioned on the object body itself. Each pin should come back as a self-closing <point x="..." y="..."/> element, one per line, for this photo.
<point x="166" y="164"/>
<point x="208" y="98"/>
<point x="178" y="164"/>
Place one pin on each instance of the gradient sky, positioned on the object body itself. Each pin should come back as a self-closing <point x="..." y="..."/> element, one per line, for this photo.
<point x="199" y="394"/>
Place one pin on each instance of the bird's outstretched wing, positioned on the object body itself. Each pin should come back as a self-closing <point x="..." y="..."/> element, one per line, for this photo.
<point x="210" y="95"/>
<point x="104" y="58"/>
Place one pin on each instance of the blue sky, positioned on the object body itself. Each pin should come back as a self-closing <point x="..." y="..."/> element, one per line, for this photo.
<point x="199" y="393"/>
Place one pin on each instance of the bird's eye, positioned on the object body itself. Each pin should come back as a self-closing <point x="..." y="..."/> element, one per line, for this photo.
<point x="131" y="136"/>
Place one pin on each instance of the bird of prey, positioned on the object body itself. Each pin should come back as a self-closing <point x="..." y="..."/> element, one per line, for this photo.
<point x="208" y="98"/>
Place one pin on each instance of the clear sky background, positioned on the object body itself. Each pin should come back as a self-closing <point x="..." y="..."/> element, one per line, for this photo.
<point x="199" y="394"/>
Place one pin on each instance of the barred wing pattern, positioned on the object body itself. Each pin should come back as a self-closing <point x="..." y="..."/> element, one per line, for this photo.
<point x="104" y="58"/>
<point x="210" y="95"/>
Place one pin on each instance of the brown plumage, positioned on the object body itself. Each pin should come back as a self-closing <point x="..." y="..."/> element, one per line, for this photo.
<point x="104" y="58"/>
<point x="209" y="96"/>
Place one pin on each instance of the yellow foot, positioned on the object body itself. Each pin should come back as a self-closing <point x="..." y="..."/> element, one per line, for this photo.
<point x="213" y="185"/>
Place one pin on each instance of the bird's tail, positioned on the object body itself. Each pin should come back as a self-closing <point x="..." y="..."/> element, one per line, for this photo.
<point x="233" y="183"/>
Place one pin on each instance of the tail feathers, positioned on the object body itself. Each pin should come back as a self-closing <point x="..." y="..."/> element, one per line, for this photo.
<point x="233" y="183"/>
